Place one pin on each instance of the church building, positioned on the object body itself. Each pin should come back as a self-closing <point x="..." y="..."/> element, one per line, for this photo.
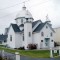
<point x="27" y="31"/>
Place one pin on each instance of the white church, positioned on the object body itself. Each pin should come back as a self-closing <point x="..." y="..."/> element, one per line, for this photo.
<point x="27" y="31"/>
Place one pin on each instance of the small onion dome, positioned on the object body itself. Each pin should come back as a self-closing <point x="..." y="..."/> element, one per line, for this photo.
<point x="24" y="13"/>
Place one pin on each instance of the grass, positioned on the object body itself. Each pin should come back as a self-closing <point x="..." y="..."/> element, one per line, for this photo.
<point x="29" y="53"/>
<point x="36" y="53"/>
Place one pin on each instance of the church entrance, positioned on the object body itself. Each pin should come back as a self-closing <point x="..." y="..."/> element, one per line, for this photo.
<point x="47" y="42"/>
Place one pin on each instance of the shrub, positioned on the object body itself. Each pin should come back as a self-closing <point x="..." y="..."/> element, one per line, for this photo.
<point x="32" y="46"/>
<point x="21" y="48"/>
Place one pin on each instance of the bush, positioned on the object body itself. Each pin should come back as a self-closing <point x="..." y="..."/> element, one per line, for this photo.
<point x="32" y="46"/>
<point x="21" y="48"/>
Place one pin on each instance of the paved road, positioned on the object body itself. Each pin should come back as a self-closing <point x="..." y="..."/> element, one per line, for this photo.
<point x="27" y="58"/>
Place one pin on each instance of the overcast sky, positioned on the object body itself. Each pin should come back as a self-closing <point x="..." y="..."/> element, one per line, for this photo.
<point x="38" y="8"/>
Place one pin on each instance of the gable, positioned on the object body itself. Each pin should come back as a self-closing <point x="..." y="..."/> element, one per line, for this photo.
<point x="41" y="26"/>
<point x="35" y="24"/>
<point x="14" y="27"/>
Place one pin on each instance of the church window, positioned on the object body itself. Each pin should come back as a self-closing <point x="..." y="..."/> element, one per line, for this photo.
<point x="51" y="40"/>
<point x="51" y="34"/>
<point x="41" y="40"/>
<point x="29" y="34"/>
<point x="10" y="37"/>
<point x="42" y="34"/>
<point x="23" y="37"/>
<point x="26" y="19"/>
<point x="21" y="20"/>
<point x="46" y="26"/>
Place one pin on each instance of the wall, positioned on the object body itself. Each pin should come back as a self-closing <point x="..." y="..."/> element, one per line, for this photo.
<point x="57" y="35"/>
<point x="27" y="38"/>
<point x="11" y="43"/>
<point x="37" y="37"/>
<point x="18" y="40"/>
<point x="47" y="32"/>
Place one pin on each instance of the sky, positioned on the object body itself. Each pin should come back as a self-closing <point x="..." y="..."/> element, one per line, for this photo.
<point x="38" y="8"/>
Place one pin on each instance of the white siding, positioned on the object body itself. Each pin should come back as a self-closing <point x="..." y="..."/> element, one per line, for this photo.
<point x="37" y="37"/>
<point x="11" y="43"/>
<point x="47" y="32"/>
<point x="27" y="29"/>
<point x="57" y="35"/>
<point x="18" y="40"/>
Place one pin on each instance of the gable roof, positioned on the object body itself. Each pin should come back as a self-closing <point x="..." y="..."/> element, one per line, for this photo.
<point x="35" y="22"/>
<point x="6" y="31"/>
<point x="15" y="28"/>
<point x="3" y="37"/>
<point x="40" y="26"/>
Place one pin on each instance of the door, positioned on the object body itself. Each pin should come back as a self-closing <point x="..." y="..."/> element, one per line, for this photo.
<point x="47" y="42"/>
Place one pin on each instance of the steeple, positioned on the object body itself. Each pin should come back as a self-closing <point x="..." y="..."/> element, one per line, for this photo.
<point x="23" y="16"/>
<point x="24" y="7"/>
<point x="48" y="20"/>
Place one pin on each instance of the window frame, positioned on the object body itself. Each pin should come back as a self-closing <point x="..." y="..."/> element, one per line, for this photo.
<point x="51" y="34"/>
<point x="42" y="33"/>
<point x="10" y="37"/>
<point x="29" y="34"/>
<point x="21" y="20"/>
<point x="41" y="40"/>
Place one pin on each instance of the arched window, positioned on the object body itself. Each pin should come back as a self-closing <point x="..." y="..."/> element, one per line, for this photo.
<point x="21" y="20"/>
<point x="23" y="37"/>
<point x="10" y="37"/>
<point x="42" y="33"/>
<point x="29" y="34"/>
<point x="26" y="19"/>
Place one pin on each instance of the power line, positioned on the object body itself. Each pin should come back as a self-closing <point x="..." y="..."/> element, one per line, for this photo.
<point x="13" y="5"/>
<point x="22" y="2"/>
<point x="8" y="14"/>
<point x="39" y="4"/>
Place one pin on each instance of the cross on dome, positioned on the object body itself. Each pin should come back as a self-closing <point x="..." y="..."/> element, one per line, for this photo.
<point x="47" y="18"/>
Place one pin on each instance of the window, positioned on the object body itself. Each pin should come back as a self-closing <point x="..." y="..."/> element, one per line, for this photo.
<point x="46" y="26"/>
<point x="21" y="20"/>
<point x="26" y="19"/>
<point x="51" y="40"/>
<point x="51" y="34"/>
<point x="5" y="40"/>
<point x="42" y="34"/>
<point x="29" y="34"/>
<point x="10" y="37"/>
<point x="41" y="40"/>
<point x="23" y="37"/>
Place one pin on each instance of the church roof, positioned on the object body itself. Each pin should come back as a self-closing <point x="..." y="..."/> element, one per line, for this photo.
<point x="3" y="37"/>
<point x="34" y="23"/>
<point x="40" y="26"/>
<point x="15" y="28"/>
<point x="24" y="13"/>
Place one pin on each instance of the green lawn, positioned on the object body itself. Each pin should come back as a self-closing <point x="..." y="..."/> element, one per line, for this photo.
<point x="30" y="53"/>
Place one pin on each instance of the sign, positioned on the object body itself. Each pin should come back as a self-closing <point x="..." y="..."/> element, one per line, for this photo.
<point x="55" y="51"/>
